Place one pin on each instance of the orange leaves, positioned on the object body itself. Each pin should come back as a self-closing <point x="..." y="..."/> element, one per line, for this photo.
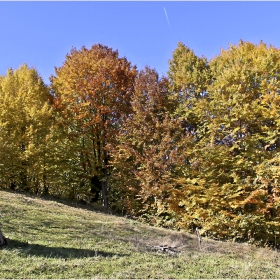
<point x="94" y="87"/>
<point x="258" y="196"/>
<point x="146" y="143"/>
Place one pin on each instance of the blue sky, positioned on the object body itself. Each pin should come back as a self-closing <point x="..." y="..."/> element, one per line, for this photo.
<point x="42" y="33"/>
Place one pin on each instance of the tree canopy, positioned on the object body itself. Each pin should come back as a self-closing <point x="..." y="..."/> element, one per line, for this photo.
<point x="197" y="148"/>
<point x="25" y="121"/>
<point x="93" y="90"/>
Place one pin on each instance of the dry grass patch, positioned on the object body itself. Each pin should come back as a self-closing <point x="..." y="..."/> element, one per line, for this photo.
<point x="57" y="239"/>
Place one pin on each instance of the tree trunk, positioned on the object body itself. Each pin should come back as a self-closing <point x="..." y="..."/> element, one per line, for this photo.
<point x="3" y="239"/>
<point x="104" y="195"/>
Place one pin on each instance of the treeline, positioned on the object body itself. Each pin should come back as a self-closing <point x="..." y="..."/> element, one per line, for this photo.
<point x="198" y="148"/>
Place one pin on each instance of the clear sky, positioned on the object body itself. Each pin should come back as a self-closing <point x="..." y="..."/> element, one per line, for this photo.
<point x="42" y="33"/>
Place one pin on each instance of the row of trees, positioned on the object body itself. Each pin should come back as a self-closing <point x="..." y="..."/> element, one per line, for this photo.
<point x="197" y="148"/>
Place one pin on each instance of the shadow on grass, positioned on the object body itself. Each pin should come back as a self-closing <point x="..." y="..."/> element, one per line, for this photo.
<point x="56" y="252"/>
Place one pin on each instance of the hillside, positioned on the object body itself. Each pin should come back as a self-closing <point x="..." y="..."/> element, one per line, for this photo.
<point x="54" y="239"/>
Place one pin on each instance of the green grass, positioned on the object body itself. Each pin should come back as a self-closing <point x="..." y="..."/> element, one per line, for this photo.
<point x="54" y="239"/>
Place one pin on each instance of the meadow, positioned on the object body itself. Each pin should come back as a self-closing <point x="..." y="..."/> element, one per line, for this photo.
<point x="54" y="239"/>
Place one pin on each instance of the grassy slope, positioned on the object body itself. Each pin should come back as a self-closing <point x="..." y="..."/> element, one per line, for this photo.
<point x="50" y="239"/>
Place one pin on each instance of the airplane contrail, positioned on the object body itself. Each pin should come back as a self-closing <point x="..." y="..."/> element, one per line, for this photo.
<point x="167" y="17"/>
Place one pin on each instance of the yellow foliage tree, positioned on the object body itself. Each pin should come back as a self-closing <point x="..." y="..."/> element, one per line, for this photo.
<point x="237" y="131"/>
<point x="26" y="115"/>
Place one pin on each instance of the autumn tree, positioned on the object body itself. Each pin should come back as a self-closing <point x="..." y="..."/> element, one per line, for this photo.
<point x="244" y="124"/>
<point x="237" y="132"/>
<point x="25" y="120"/>
<point x="143" y="162"/>
<point x="93" y="89"/>
<point x="189" y="77"/>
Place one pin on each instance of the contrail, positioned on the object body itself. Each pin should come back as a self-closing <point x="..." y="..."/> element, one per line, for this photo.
<point x="167" y="17"/>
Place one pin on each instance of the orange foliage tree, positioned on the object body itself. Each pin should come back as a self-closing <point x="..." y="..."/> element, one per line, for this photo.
<point x="144" y="167"/>
<point x="93" y="89"/>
